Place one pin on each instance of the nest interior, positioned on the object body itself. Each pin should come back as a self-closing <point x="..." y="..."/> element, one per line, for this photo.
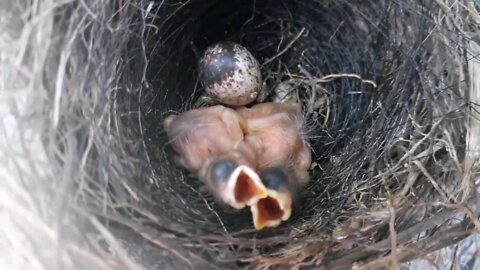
<point x="385" y="89"/>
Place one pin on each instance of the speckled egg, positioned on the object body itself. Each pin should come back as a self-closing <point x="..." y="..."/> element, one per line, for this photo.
<point x="230" y="74"/>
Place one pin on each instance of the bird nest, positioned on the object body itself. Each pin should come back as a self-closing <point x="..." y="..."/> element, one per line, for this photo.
<point x="389" y="92"/>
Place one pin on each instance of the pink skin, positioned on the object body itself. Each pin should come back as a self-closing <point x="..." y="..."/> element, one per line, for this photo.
<point x="205" y="135"/>
<point x="201" y="135"/>
<point x="274" y="130"/>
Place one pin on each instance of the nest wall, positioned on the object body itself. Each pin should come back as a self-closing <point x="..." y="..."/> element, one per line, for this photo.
<point x="386" y="88"/>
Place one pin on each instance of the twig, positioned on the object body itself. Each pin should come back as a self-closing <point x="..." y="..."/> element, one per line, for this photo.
<point x="311" y="81"/>
<point x="286" y="48"/>
<point x="393" y="234"/>
<point x="140" y="128"/>
<point x="121" y="253"/>
<point x="413" y="148"/>
<point x="331" y="77"/>
<point x="421" y="248"/>
<point x="93" y="260"/>
<point x="253" y="14"/>
<point x="447" y="196"/>
<point x="454" y="257"/>
<point x="336" y="31"/>
<point x="347" y="259"/>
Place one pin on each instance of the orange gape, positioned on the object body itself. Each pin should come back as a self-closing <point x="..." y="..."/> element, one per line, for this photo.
<point x="274" y="131"/>
<point x="210" y="143"/>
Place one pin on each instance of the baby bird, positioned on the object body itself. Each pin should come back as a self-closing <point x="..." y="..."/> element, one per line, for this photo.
<point x="210" y="143"/>
<point x="274" y="131"/>
<point x="277" y="206"/>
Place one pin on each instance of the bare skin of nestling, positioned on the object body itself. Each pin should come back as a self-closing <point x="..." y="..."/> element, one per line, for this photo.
<point x="274" y="131"/>
<point x="210" y="143"/>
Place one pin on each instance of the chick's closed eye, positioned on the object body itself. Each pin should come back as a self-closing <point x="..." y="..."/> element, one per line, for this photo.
<point x="274" y="178"/>
<point x="221" y="170"/>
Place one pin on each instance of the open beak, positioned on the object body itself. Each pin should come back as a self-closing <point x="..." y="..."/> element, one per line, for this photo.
<point x="244" y="187"/>
<point x="272" y="210"/>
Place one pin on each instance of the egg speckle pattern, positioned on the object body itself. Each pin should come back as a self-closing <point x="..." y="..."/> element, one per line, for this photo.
<point x="230" y="74"/>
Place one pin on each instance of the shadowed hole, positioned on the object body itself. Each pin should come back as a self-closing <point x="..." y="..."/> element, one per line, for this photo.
<point x="269" y="209"/>
<point x="245" y="189"/>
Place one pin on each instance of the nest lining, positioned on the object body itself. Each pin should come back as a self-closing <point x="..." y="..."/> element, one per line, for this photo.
<point x="388" y="129"/>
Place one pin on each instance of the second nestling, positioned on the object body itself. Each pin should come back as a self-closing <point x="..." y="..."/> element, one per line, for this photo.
<point x="274" y="131"/>
<point x="255" y="157"/>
